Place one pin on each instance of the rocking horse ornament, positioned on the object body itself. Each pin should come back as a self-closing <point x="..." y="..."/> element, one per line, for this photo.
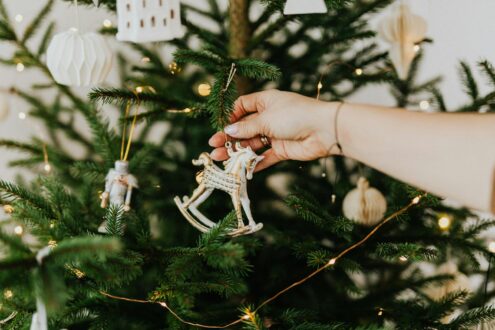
<point x="233" y="180"/>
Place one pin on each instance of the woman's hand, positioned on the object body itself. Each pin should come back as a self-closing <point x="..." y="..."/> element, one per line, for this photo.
<point x="299" y="127"/>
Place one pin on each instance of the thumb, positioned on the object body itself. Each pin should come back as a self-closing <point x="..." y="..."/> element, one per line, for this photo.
<point x="245" y="129"/>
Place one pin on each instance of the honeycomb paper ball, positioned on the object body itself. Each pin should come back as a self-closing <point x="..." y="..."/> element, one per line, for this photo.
<point x="365" y="205"/>
<point x="459" y="282"/>
<point x="77" y="59"/>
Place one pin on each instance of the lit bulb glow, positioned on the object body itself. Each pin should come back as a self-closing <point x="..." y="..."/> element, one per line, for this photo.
<point x="380" y="312"/>
<point x="491" y="246"/>
<point x="204" y="89"/>
<point x="444" y="222"/>
<point x="403" y="258"/>
<point x="424" y="105"/>
<point x="332" y="262"/>
<point x="52" y="243"/>
<point x="145" y="60"/>
<point x="320" y="85"/>
<point x="22" y="115"/>
<point x="20" y="67"/>
<point x="417" y="48"/>
<point x="52" y="225"/>
<point x="358" y="71"/>
<point x="19" y="18"/>
<point x="107" y="23"/>
<point x="8" y="209"/>
<point x="18" y="230"/>
<point x="8" y="294"/>
<point x="416" y="200"/>
<point x="47" y="168"/>
<point x="139" y="89"/>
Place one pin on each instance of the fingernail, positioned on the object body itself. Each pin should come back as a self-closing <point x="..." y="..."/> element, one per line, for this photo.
<point x="231" y="129"/>
<point x="214" y="154"/>
<point x="210" y="142"/>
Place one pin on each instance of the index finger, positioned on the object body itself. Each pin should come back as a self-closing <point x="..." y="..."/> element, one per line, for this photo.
<point x="247" y="104"/>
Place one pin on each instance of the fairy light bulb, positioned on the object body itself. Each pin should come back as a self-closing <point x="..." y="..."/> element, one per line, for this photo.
<point x="380" y="312"/>
<point x="333" y="198"/>
<point x="444" y="222"/>
<point x="18" y="230"/>
<point x="417" y="48"/>
<point x="19" y="18"/>
<point x="320" y="85"/>
<point x="416" y="200"/>
<point x="424" y="105"/>
<point x="358" y="71"/>
<point x="52" y="224"/>
<point x="107" y="23"/>
<point x="491" y="246"/>
<point x="52" y="243"/>
<point x="139" y="89"/>
<point x="204" y="89"/>
<point x="22" y="115"/>
<point x="47" y="168"/>
<point x="146" y="59"/>
<point x="403" y="258"/>
<point x="8" y="294"/>
<point x="20" y="67"/>
<point x="332" y="262"/>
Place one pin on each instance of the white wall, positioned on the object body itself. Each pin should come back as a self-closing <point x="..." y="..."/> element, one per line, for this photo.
<point x="461" y="30"/>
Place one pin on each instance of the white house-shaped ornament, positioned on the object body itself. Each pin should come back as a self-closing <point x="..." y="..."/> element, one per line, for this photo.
<point x="295" y="7"/>
<point x="149" y="20"/>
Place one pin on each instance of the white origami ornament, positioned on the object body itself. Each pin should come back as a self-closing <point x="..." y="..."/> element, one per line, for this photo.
<point x="295" y="7"/>
<point x="233" y="180"/>
<point x="76" y="59"/>
<point x="149" y="20"/>
<point x="402" y="29"/>
<point x="119" y="184"/>
<point x="365" y="205"/>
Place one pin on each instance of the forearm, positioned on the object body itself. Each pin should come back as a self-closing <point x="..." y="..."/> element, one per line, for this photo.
<point x="450" y="155"/>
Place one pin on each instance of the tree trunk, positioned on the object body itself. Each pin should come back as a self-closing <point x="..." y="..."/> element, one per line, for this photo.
<point x="239" y="37"/>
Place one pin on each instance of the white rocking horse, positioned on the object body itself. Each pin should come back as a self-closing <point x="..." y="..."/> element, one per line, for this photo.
<point x="238" y="168"/>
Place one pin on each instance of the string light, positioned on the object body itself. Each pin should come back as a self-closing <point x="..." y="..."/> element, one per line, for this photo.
<point x="174" y="68"/>
<point x="186" y="110"/>
<point x="47" y="168"/>
<point x="18" y="230"/>
<point x="9" y="209"/>
<point x="107" y="23"/>
<point x="403" y="258"/>
<point x="146" y="59"/>
<point x="8" y="294"/>
<point x="333" y="198"/>
<point x="52" y="243"/>
<point x="417" y="48"/>
<point x="491" y="246"/>
<point x="204" y="89"/>
<point x="19" y="18"/>
<point x="52" y="224"/>
<point x="20" y="67"/>
<point x="139" y="89"/>
<point x="248" y="313"/>
<point x="358" y="71"/>
<point x="444" y="222"/>
<point x="424" y="105"/>
<point x="22" y="115"/>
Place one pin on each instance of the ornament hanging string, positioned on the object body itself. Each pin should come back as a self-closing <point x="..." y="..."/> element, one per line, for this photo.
<point x="249" y="314"/>
<point x="124" y="149"/>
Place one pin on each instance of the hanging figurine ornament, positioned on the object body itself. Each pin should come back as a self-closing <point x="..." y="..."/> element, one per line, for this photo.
<point x="403" y="30"/>
<point x="149" y="20"/>
<point x="79" y="59"/>
<point x="233" y="180"/>
<point x="295" y="7"/>
<point x="365" y="205"/>
<point x="119" y="182"/>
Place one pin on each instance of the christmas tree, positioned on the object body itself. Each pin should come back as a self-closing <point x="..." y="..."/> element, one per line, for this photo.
<point x="143" y="266"/>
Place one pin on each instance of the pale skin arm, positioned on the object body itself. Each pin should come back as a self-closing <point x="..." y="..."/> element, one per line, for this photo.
<point x="450" y="155"/>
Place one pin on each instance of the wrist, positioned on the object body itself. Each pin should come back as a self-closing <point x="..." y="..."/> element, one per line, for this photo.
<point x="328" y="128"/>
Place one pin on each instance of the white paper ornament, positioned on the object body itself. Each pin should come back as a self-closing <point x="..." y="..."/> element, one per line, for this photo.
<point x="4" y="107"/>
<point x="295" y="7"/>
<point x="364" y="204"/>
<point x="149" y="20"/>
<point x="76" y="59"/>
<point x="459" y="282"/>
<point x="402" y="29"/>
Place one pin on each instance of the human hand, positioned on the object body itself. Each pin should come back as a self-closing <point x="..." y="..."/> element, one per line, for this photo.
<point x="300" y="128"/>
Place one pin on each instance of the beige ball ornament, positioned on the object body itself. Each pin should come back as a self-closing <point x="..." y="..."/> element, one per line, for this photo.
<point x="77" y="59"/>
<point x="365" y="205"/>
<point x="458" y="283"/>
